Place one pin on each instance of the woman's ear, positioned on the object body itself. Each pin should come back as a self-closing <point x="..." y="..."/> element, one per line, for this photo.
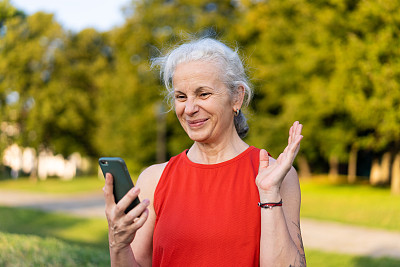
<point x="238" y="98"/>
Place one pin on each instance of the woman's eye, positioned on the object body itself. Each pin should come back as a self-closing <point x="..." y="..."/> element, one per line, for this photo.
<point x="180" y="97"/>
<point x="205" y="94"/>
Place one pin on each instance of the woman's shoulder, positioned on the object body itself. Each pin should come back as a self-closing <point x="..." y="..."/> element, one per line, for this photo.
<point x="151" y="175"/>
<point x="148" y="180"/>
<point x="154" y="169"/>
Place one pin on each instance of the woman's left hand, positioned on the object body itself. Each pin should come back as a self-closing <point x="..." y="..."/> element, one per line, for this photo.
<point x="271" y="174"/>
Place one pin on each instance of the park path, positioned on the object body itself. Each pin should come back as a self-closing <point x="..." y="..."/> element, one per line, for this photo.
<point x="320" y="235"/>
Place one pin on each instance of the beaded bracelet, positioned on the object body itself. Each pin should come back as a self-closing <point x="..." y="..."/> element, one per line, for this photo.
<point x="270" y="205"/>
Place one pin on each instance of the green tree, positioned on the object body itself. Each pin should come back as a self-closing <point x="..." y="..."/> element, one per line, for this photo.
<point x="49" y="84"/>
<point x="369" y="72"/>
<point x="64" y="115"/>
<point x="331" y="65"/>
<point x="290" y="44"/>
<point x="24" y="68"/>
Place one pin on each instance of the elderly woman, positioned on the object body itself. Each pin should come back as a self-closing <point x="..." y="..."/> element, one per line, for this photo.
<point x="221" y="202"/>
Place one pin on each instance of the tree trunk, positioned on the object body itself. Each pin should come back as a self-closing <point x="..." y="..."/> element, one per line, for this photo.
<point x="375" y="175"/>
<point x="34" y="173"/>
<point x="395" y="185"/>
<point x="380" y="172"/>
<point x="333" y="168"/>
<point x="385" y="165"/>
<point x="352" y="171"/>
<point x="304" y="167"/>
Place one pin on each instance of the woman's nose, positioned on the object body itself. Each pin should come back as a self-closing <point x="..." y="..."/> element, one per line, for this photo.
<point x="191" y="106"/>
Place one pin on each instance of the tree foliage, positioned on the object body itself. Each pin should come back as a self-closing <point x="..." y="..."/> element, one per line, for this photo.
<point x="332" y="64"/>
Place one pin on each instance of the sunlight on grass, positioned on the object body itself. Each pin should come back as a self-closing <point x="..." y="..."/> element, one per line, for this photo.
<point x="55" y="186"/>
<point x="317" y="258"/>
<point x="96" y="232"/>
<point x="353" y="204"/>
<point x="91" y="231"/>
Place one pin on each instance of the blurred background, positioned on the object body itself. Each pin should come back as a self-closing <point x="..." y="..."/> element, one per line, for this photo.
<point x="73" y="89"/>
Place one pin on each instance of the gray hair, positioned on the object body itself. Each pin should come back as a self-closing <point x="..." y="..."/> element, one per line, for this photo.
<point x="211" y="50"/>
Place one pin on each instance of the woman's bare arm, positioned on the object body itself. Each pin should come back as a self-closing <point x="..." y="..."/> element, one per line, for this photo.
<point x="281" y="242"/>
<point x="142" y="245"/>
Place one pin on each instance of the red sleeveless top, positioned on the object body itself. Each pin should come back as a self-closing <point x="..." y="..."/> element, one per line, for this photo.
<point x="207" y="215"/>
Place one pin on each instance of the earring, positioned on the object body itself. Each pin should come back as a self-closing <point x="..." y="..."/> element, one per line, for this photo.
<point x="237" y="112"/>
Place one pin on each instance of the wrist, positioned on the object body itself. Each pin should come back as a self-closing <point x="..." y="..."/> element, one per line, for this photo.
<point x="270" y="205"/>
<point x="270" y="197"/>
<point x="122" y="257"/>
<point x="119" y="249"/>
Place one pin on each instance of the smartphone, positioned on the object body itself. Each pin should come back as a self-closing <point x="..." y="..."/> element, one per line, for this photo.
<point x="122" y="180"/>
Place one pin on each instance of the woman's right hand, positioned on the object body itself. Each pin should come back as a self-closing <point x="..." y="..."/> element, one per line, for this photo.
<point x="122" y="227"/>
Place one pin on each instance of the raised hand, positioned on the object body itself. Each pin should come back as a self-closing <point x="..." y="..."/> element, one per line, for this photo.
<point x="271" y="173"/>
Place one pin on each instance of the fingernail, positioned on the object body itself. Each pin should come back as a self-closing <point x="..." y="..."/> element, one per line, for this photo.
<point x="135" y="190"/>
<point x="146" y="202"/>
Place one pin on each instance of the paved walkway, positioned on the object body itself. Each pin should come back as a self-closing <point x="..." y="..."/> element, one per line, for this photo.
<point x="325" y="236"/>
<point x="337" y="237"/>
<point x="84" y="205"/>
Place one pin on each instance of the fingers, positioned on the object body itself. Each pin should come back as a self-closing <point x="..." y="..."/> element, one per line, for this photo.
<point x="122" y="229"/>
<point x="294" y="133"/>
<point x="291" y="134"/>
<point x="297" y="129"/>
<point x="294" y="139"/>
<point x="297" y="133"/>
<point x="139" y="222"/>
<point x="293" y="146"/>
<point x="118" y="209"/>
<point x="108" y="190"/>
<point x="139" y="214"/>
<point x="264" y="159"/>
<point x="124" y="203"/>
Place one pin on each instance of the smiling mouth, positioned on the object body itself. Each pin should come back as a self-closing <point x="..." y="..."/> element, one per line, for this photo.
<point x="196" y="123"/>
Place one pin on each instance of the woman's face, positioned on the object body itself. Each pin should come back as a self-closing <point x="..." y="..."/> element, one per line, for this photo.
<point x="203" y="103"/>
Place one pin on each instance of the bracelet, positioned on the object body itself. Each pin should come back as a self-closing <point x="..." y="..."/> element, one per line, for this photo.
<point x="270" y="205"/>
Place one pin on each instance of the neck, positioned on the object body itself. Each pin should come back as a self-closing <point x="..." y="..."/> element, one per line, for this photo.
<point x="213" y="153"/>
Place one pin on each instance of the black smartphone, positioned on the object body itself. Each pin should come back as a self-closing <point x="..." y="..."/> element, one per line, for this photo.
<point x="122" y="180"/>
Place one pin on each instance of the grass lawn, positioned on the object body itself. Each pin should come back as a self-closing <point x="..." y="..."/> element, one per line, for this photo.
<point x="35" y="238"/>
<point x="30" y="250"/>
<point x="86" y="231"/>
<point x="324" y="259"/>
<point x="352" y="204"/>
<point x="54" y="186"/>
